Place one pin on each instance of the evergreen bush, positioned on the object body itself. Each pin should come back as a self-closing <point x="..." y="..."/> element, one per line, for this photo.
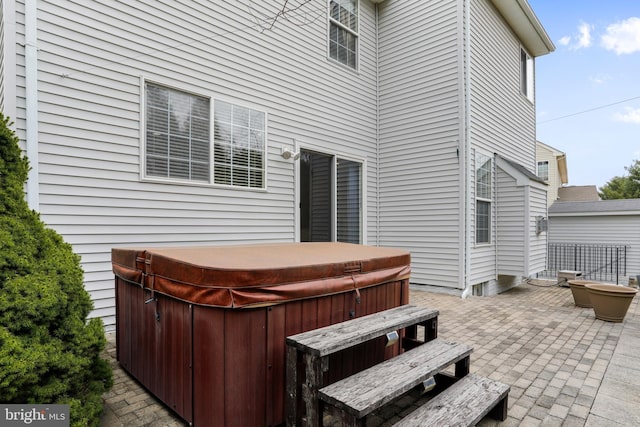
<point x="49" y="351"/>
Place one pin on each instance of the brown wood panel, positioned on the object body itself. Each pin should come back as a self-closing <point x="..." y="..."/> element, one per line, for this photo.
<point x="146" y="345"/>
<point x="233" y="372"/>
<point x="310" y="314"/>
<point x="276" y="347"/>
<point x="245" y="364"/>
<point x="174" y="347"/>
<point x="208" y="366"/>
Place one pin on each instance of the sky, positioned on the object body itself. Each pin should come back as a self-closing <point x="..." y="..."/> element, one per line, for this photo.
<point x="588" y="89"/>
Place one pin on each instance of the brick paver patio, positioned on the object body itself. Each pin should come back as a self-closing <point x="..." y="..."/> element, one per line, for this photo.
<point x="553" y="354"/>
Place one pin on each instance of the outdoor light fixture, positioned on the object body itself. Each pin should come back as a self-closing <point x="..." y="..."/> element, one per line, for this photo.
<point x="392" y="338"/>
<point x="287" y="154"/>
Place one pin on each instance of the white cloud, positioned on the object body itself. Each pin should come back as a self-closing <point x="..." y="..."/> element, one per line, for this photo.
<point x="579" y="40"/>
<point x="623" y="37"/>
<point x="600" y="78"/>
<point x="584" y="40"/>
<point x="631" y="115"/>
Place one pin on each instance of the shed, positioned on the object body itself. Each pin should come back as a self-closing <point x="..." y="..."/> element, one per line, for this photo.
<point x="605" y="222"/>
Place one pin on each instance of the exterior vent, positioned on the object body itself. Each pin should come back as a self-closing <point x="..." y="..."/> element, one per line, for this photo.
<point x="541" y="224"/>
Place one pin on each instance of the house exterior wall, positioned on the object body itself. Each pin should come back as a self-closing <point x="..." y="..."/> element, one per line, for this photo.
<point x="93" y="61"/>
<point x="420" y="134"/>
<point x="512" y="226"/>
<point x="502" y="119"/>
<point x="436" y="82"/>
<point x="543" y="153"/>
<point x="599" y="228"/>
<point x="537" y="257"/>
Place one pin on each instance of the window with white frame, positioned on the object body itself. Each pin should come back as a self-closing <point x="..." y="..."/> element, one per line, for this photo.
<point x="178" y="139"/>
<point x="239" y="145"/>
<point x="343" y="31"/>
<point x="177" y="134"/>
<point x="483" y="198"/>
<point x="526" y="74"/>
<point x="543" y="170"/>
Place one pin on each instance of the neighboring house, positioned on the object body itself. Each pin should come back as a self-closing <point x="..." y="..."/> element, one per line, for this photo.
<point x="552" y="168"/>
<point x="395" y="123"/>
<point x="578" y="193"/>
<point x="602" y="222"/>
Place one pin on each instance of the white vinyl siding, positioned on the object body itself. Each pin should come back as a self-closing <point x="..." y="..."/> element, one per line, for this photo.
<point x="420" y="120"/>
<point x="521" y="250"/>
<point x="537" y="259"/>
<point x="512" y="225"/>
<point x="599" y="228"/>
<point x="502" y="121"/>
<point x="93" y="60"/>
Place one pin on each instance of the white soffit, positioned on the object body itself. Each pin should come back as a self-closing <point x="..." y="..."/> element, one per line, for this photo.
<point x="525" y="24"/>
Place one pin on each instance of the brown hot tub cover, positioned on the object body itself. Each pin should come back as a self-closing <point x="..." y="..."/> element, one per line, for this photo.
<point x="254" y="275"/>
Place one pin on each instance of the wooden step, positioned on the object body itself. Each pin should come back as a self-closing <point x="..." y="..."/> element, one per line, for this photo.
<point x="360" y="394"/>
<point x="464" y="403"/>
<point x="333" y="338"/>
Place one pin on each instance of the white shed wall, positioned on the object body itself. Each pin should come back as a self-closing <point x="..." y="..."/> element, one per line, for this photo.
<point x="600" y="229"/>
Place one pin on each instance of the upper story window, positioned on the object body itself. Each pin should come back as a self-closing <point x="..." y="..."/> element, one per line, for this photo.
<point x="179" y="144"/>
<point x="526" y="74"/>
<point x="343" y="31"/>
<point x="483" y="198"/>
<point x="543" y="170"/>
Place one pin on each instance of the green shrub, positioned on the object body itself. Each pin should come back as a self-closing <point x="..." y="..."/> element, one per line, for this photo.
<point x="49" y="351"/>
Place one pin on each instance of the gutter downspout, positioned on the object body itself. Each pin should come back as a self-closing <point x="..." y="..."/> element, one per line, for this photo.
<point x="9" y="59"/>
<point x="377" y="131"/>
<point x="467" y="149"/>
<point x="31" y="101"/>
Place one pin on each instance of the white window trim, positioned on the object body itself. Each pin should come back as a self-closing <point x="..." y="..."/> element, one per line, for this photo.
<point x="538" y="169"/>
<point x="356" y="33"/>
<point x="482" y="199"/>
<point x="363" y="180"/>
<point x="143" y="177"/>
<point x="529" y="83"/>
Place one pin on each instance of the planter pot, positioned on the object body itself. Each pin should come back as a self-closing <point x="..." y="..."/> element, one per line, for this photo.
<point x="610" y="302"/>
<point x="580" y="295"/>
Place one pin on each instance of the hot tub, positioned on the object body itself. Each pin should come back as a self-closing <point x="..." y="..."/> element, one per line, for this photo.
<point x="203" y="328"/>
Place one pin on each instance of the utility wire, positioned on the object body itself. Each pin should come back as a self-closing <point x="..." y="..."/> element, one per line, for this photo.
<point x="589" y="110"/>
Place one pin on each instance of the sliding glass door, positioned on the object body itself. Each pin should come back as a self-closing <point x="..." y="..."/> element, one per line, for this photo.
<point x="330" y="198"/>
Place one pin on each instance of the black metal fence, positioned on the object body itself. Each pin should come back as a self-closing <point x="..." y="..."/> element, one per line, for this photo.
<point x="605" y="263"/>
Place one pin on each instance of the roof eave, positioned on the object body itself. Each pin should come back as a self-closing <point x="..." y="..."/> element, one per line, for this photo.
<point x="526" y="25"/>
<point x="562" y="169"/>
